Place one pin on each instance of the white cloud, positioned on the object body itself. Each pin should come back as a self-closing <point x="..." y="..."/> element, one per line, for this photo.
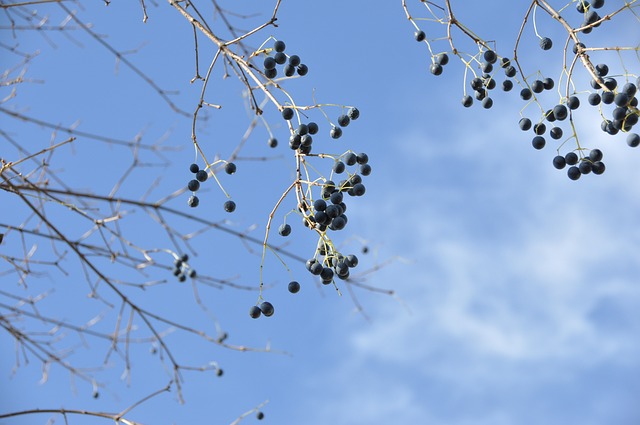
<point x="508" y="288"/>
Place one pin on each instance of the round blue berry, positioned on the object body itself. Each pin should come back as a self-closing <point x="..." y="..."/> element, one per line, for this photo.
<point x="229" y="206"/>
<point x="294" y="287"/>
<point x="284" y="229"/>
<point x="255" y="312"/>
<point x="267" y="308"/>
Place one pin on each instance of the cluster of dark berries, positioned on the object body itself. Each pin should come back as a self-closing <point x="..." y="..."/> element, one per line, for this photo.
<point x="200" y="177"/>
<point x="265" y="308"/>
<point x="329" y="211"/>
<point x="194" y="184"/>
<point x="302" y="137"/>
<point x="624" y="117"/>
<point x="438" y="61"/>
<point x="343" y="121"/>
<point x="590" y="15"/>
<point x="625" y="113"/>
<point x="579" y="166"/>
<point x="486" y="82"/>
<point x="181" y="268"/>
<point x="292" y="62"/>
<point x="329" y="264"/>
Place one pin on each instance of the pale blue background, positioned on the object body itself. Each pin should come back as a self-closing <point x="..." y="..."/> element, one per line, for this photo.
<point x="517" y="290"/>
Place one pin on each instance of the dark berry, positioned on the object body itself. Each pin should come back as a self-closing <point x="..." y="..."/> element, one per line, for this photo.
<point x="284" y="229"/>
<point x="556" y="133"/>
<point x="490" y="56"/>
<point x="326" y="275"/>
<point x="571" y="158"/>
<point x="294" y="60"/>
<point x="595" y="155"/>
<point x="487" y="103"/>
<point x="537" y="86"/>
<point x="302" y="70"/>
<point x="442" y="59"/>
<point x="507" y="85"/>
<point x="525" y="124"/>
<point x="350" y="158"/>
<point x="633" y="140"/>
<point x="279" y="46"/>
<point x="467" y="101"/>
<point x="365" y="169"/>
<point x="289" y="70"/>
<point x="306" y="140"/>
<point x="269" y="63"/>
<point x="230" y="168"/>
<point x="271" y="73"/>
<point x="302" y="129"/>
<point x="362" y="158"/>
<point x="525" y="94"/>
<point x="510" y="71"/>
<point x="435" y="69"/>
<point x="313" y="127"/>
<point x="585" y="167"/>
<point x="287" y="113"/>
<point x="559" y="162"/>
<point x="538" y="142"/>
<point x="338" y="223"/>
<point x="193" y="201"/>
<point x="621" y="99"/>
<point x="594" y="99"/>
<point x="267" y="308"/>
<point x="597" y="4"/>
<point x="573" y="102"/>
<point x="574" y="173"/>
<point x="630" y="89"/>
<point x="229" y="206"/>
<point x="193" y="185"/>
<point x="359" y="189"/>
<point x="319" y="205"/>
<point x="202" y="176"/>
<point x="546" y="43"/>
<point x="578" y="47"/>
<point x="610" y="83"/>
<point x="597" y="167"/>
<point x="272" y="142"/>
<point x="548" y="83"/>
<point x="549" y="115"/>
<point x="335" y="132"/>
<point x="539" y="128"/>
<point x="280" y="58"/>
<point x="343" y="120"/>
<point x="294" y="287"/>
<point x="194" y="168"/>
<point x="582" y="6"/>
<point x="476" y="83"/>
<point x="420" y="35"/>
<point x="316" y="269"/>
<point x="560" y="112"/>
<point x="353" y="113"/>
<point x="255" y="312"/>
<point x="260" y="415"/>
<point x="339" y="167"/>
<point x="608" y="97"/>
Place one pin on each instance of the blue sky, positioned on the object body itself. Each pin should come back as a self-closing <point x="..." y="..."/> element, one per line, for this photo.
<point x="516" y="289"/>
